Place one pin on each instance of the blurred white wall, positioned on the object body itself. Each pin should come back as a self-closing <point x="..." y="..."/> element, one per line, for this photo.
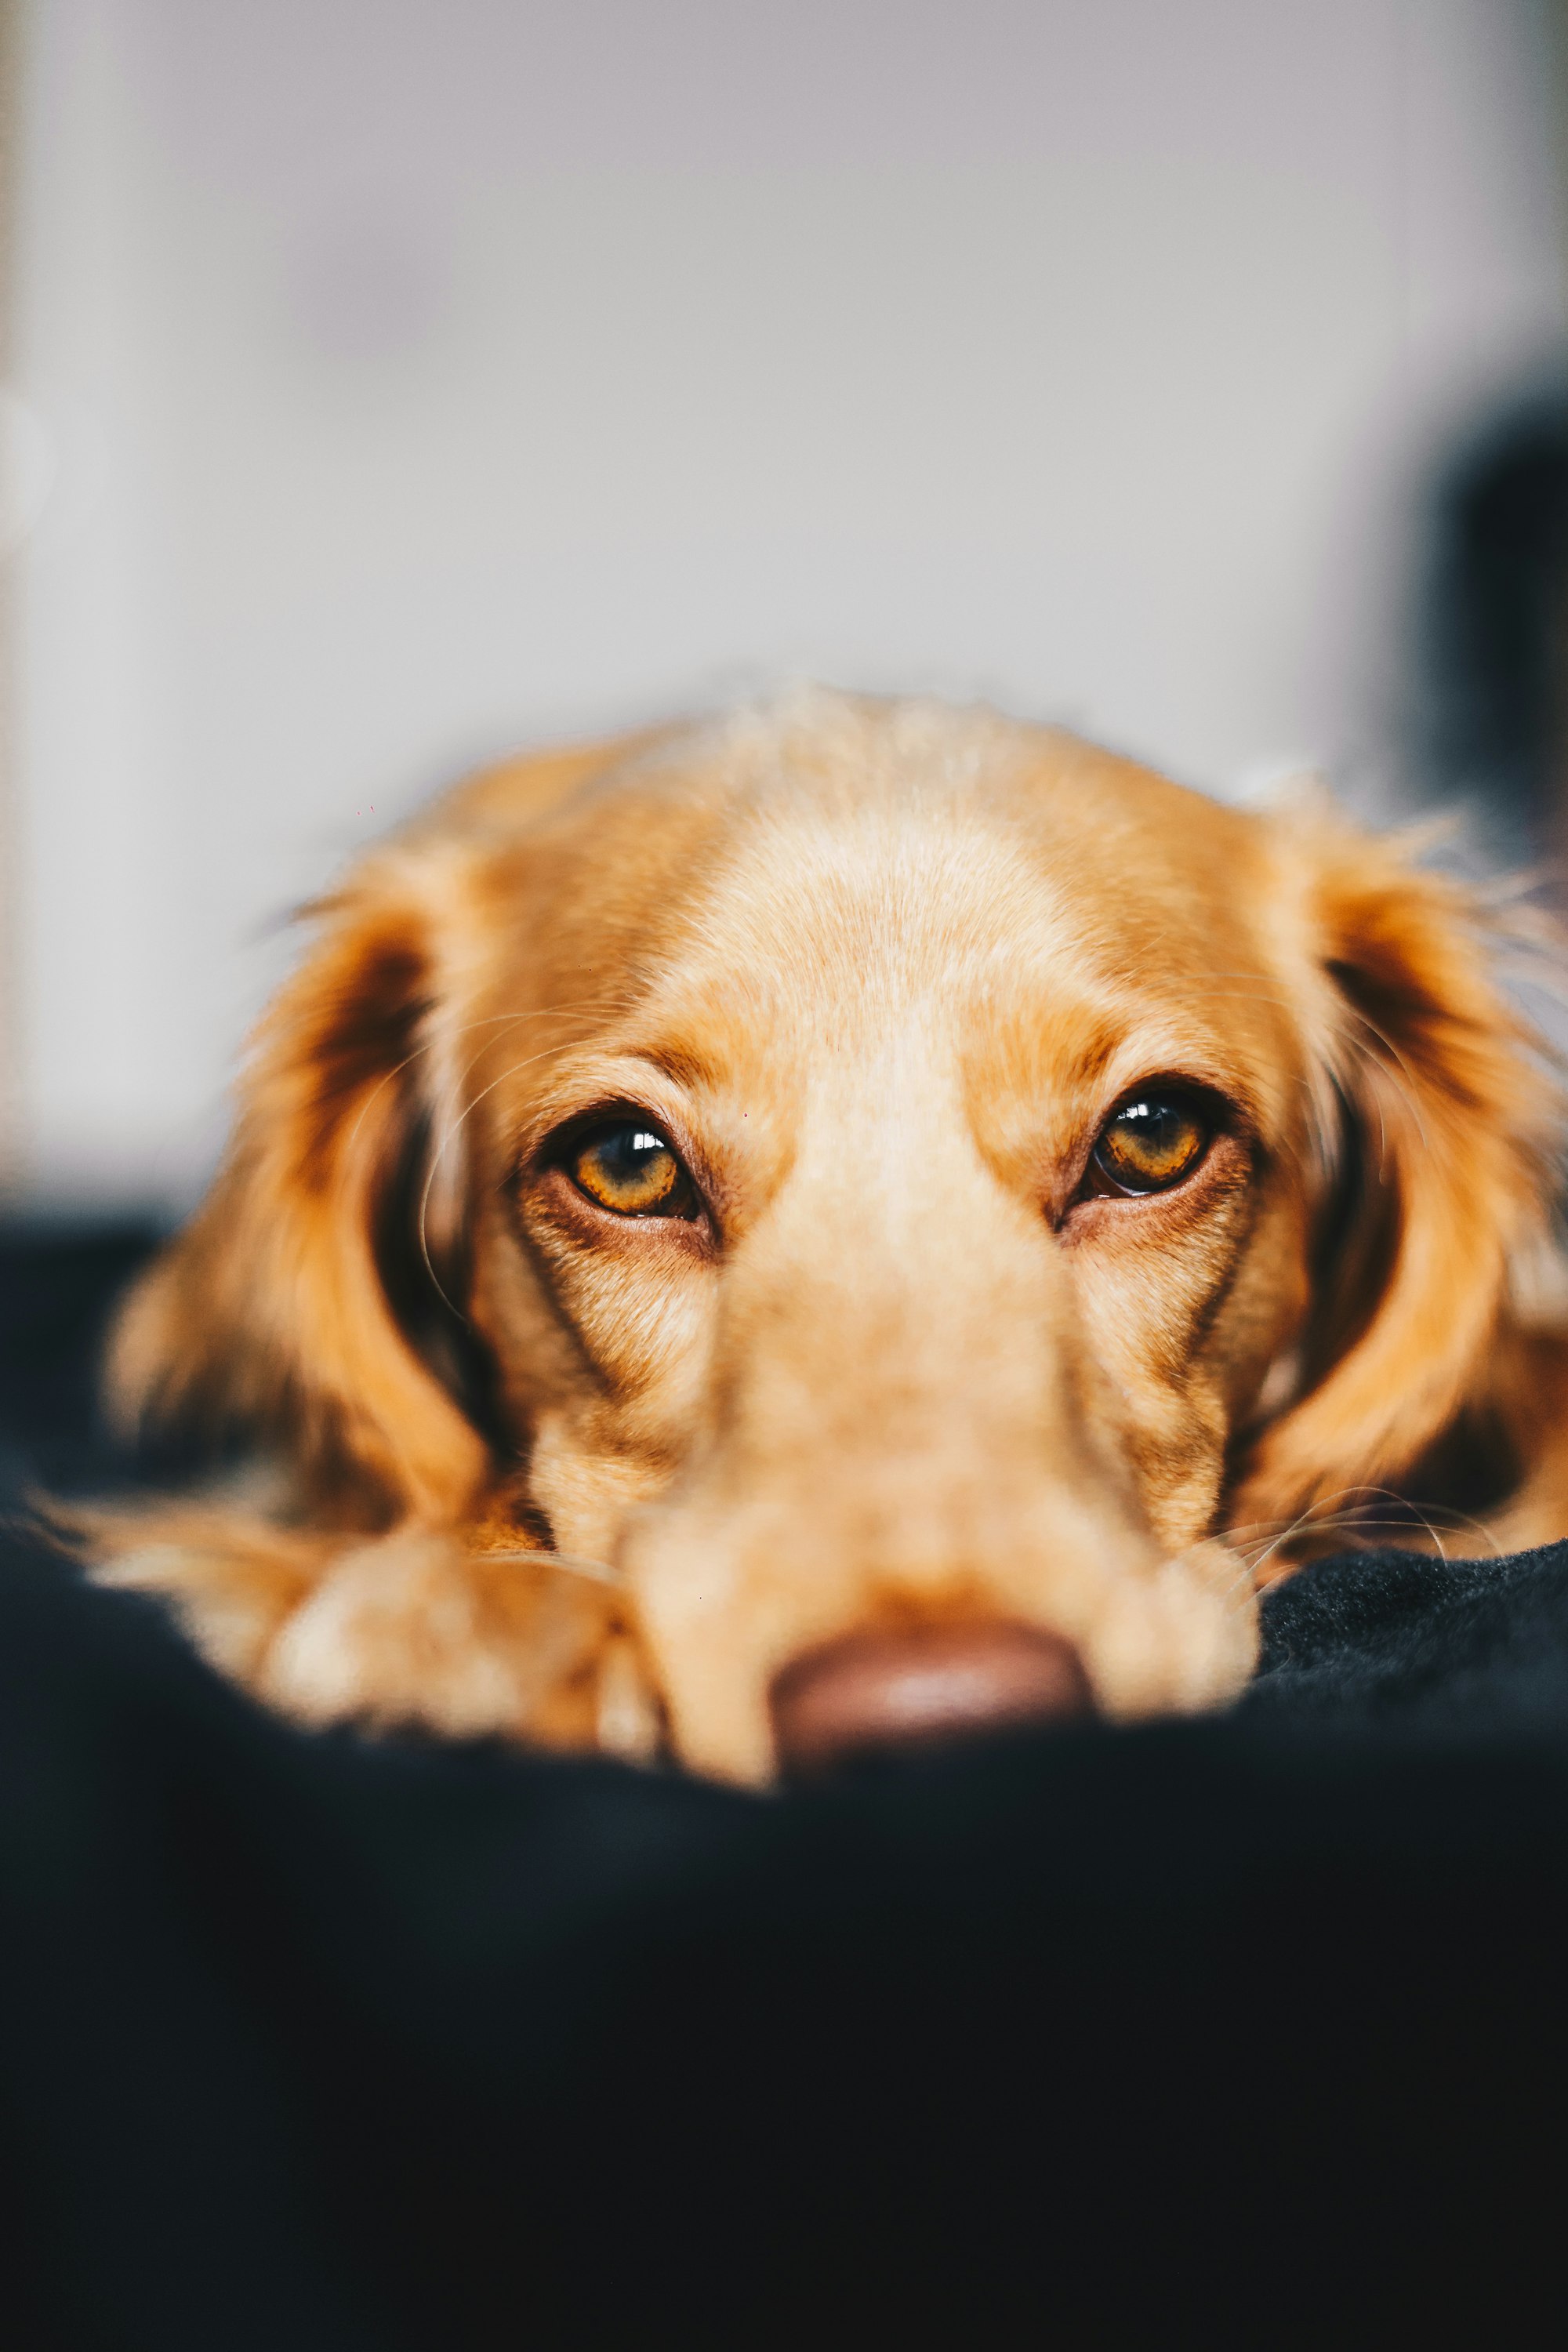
<point x="413" y="377"/>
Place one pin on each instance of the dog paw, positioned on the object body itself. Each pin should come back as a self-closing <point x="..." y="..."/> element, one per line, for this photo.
<point x="412" y="1629"/>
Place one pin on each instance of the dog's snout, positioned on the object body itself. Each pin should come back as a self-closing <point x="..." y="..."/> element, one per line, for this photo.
<point x="910" y="1686"/>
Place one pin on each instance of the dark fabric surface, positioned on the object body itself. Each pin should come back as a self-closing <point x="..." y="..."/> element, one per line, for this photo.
<point x="58" y="1282"/>
<point x="1244" y="2030"/>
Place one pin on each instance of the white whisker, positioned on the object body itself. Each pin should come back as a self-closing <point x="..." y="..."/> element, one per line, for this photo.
<point x="599" y="1572"/>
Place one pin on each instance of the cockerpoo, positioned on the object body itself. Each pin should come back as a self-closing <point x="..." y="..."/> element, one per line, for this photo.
<point x="846" y="1223"/>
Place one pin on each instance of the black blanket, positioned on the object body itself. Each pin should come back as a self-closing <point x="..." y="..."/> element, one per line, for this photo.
<point x="1250" y="2030"/>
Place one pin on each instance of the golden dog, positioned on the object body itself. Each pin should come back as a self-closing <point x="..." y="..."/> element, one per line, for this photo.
<point x="847" y="1222"/>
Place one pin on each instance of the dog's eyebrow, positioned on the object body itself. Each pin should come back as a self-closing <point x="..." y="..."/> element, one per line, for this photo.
<point x="683" y="1065"/>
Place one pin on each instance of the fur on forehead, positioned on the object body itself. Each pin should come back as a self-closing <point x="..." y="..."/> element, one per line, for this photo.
<point x="849" y="785"/>
<point x="879" y="857"/>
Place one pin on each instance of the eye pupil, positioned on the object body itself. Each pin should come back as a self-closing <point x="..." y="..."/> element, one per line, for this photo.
<point x="1152" y="1142"/>
<point x="630" y="1168"/>
<point x="629" y="1153"/>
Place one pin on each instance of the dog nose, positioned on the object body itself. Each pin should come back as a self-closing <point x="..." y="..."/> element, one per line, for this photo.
<point x="911" y="1686"/>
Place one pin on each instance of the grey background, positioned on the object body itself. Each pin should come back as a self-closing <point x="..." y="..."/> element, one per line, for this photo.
<point x="395" y="381"/>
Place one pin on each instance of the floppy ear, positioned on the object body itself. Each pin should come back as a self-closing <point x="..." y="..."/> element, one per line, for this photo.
<point x="1442" y="1173"/>
<point x="276" y="1307"/>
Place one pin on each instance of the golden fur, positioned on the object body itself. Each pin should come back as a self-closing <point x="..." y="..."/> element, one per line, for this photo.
<point x="880" y="972"/>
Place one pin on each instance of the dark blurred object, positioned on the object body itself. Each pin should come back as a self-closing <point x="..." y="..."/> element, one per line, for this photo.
<point x="1250" y="2030"/>
<point x="59" y="1284"/>
<point x="1492" y="710"/>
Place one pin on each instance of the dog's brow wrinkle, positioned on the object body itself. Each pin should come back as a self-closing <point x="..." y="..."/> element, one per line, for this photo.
<point x="684" y="1066"/>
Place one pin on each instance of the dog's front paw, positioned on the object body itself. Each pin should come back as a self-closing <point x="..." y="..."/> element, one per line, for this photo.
<point x="415" y="1629"/>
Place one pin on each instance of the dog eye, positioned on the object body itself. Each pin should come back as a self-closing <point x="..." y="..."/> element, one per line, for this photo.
<point x="633" y="1170"/>
<point x="1151" y="1143"/>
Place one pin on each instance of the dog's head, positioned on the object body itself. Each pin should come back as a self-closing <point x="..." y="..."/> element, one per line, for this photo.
<point x="869" y="1175"/>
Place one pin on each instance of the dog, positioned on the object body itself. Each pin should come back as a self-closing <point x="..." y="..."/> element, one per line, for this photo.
<point x="844" y="1224"/>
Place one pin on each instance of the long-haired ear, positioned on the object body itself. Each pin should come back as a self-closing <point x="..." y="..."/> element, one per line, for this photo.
<point x="1448" y="1117"/>
<point x="277" y="1306"/>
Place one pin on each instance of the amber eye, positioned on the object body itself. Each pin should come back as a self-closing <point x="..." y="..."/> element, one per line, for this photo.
<point x="633" y="1170"/>
<point x="1152" y="1142"/>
